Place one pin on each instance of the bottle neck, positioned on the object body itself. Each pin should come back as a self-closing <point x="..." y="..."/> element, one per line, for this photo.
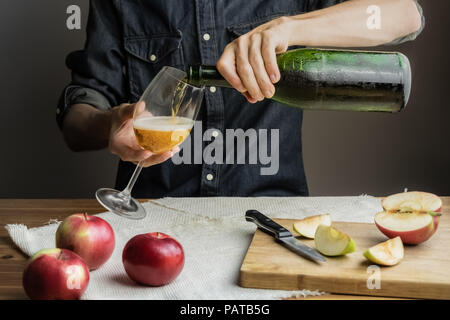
<point x="201" y="75"/>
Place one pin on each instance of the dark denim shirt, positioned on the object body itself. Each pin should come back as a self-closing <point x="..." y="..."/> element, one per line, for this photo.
<point x="129" y="41"/>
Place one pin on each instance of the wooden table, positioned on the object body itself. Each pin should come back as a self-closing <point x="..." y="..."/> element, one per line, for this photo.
<point x="37" y="212"/>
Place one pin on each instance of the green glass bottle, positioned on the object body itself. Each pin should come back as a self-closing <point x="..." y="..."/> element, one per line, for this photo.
<point x="325" y="79"/>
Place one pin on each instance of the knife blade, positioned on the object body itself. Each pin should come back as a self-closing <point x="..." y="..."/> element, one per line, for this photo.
<point x="283" y="235"/>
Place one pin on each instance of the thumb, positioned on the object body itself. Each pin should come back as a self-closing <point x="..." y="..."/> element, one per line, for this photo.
<point x="126" y="111"/>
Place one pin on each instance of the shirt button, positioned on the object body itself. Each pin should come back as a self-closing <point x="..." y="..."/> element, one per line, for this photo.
<point x="206" y="37"/>
<point x="215" y="133"/>
<point x="212" y="89"/>
<point x="152" y="57"/>
<point x="209" y="177"/>
<point x="58" y="111"/>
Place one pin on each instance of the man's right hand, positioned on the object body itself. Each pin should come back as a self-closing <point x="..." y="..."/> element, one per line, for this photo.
<point x="123" y="143"/>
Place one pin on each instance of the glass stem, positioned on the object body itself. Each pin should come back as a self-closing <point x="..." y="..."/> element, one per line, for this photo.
<point x="126" y="193"/>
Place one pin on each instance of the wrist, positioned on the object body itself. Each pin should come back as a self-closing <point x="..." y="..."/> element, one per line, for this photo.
<point x="86" y="128"/>
<point x="113" y="116"/>
<point x="285" y="26"/>
<point x="99" y="125"/>
<point x="298" y="30"/>
<point x="106" y="118"/>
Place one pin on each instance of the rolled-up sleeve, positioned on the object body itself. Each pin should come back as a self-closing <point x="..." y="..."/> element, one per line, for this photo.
<point x="318" y="4"/>
<point x="413" y="35"/>
<point x="97" y="70"/>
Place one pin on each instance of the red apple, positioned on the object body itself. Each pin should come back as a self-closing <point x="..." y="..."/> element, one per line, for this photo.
<point x="55" y="274"/>
<point x="410" y="215"/>
<point x="153" y="259"/>
<point x="411" y="227"/>
<point x="91" y="237"/>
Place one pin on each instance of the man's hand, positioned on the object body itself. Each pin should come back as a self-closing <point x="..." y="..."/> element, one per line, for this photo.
<point x="123" y="143"/>
<point x="87" y="128"/>
<point x="249" y="63"/>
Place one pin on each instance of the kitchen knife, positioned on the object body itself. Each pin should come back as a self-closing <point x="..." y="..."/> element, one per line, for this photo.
<point x="282" y="235"/>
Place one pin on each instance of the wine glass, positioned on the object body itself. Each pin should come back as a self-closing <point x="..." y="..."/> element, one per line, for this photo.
<point x="163" y="119"/>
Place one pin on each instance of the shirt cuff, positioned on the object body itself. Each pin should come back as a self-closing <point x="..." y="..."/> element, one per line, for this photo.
<point x="413" y="35"/>
<point x="73" y="94"/>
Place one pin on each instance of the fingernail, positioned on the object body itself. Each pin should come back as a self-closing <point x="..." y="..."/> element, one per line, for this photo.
<point x="273" y="78"/>
<point x="268" y="94"/>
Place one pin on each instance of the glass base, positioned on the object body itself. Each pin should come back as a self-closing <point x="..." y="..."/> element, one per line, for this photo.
<point x="117" y="203"/>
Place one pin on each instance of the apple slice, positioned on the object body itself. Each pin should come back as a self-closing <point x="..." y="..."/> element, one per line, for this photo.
<point x="412" y="201"/>
<point x="332" y="242"/>
<point x="307" y="226"/>
<point x="387" y="253"/>
<point x="411" y="227"/>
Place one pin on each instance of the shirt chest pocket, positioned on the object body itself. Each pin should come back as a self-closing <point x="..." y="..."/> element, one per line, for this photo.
<point x="147" y="55"/>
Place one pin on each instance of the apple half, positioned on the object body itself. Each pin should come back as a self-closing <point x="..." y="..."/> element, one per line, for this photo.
<point x="332" y="242"/>
<point x="307" y="227"/>
<point x="388" y="253"/>
<point x="412" y="201"/>
<point x="411" y="227"/>
<point x="413" y="216"/>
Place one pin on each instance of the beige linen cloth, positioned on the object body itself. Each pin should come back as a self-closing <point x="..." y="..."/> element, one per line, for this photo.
<point x="215" y="237"/>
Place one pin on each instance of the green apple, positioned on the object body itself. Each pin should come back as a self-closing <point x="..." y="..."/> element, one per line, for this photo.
<point x="332" y="242"/>
<point x="387" y="253"/>
<point x="307" y="227"/>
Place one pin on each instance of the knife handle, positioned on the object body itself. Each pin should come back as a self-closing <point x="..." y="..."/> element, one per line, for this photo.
<point x="266" y="224"/>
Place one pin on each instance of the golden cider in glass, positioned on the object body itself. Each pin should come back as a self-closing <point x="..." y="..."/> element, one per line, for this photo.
<point x="161" y="134"/>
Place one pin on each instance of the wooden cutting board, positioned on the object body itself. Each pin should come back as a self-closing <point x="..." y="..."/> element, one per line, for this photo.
<point x="423" y="273"/>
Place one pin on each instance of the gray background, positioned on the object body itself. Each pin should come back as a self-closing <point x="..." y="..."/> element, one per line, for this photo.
<point x="345" y="153"/>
